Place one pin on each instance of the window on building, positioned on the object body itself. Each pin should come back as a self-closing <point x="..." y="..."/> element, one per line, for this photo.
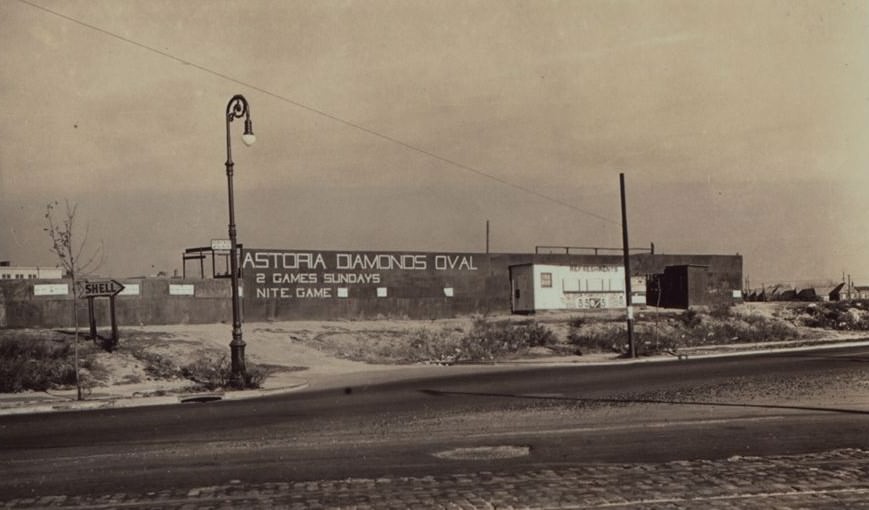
<point x="7" y="276"/>
<point x="19" y="276"/>
<point x="31" y="277"/>
<point x="546" y="280"/>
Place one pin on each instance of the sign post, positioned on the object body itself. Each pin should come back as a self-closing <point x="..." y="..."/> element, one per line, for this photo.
<point x="101" y="288"/>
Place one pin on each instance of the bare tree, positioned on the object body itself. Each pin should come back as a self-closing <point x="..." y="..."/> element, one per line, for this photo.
<point x="75" y="263"/>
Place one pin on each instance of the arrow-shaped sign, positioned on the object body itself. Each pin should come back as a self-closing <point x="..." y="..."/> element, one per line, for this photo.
<point x="102" y="288"/>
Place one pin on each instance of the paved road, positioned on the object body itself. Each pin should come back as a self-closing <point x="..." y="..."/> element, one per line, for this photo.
<point x="507" y="434"/>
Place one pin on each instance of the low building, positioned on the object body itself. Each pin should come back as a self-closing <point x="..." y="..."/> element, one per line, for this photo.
<point x="860" y="292"/>
<point x="821" y="293"/>
<point x="687" y="285"/>
<point x="10" y="272"/>
<point x="537" y="287"/>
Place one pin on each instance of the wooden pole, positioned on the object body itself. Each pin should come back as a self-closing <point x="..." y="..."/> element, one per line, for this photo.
<point x="114" y="321"/>
<point x="92" y="319"/>
<point x="632" y="350"/>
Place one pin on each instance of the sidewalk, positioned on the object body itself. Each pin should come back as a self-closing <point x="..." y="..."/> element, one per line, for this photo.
<point x="324" y="376"/>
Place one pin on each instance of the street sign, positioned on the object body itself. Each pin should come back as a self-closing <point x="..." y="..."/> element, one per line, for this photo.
<point x="221" y="245"/>
<point x="103" y="288"/>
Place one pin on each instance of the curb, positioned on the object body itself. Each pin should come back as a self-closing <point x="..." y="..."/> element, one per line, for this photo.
<point x="119" y="402"/>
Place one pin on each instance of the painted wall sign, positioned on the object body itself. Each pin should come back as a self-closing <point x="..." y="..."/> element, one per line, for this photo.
<point x="52" y="289"/>
<point x="130" y="289"/>
<point x="180" y="289"/>
<point x="285" y="274"/>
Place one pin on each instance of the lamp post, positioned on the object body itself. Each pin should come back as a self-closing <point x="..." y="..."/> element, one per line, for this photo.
<point x="235" y="109"/>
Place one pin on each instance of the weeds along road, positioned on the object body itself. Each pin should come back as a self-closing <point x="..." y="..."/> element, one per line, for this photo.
<point x="511" y="421"/>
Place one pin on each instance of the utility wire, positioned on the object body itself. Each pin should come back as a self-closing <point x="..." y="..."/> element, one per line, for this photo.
<point x="322" y="113"/>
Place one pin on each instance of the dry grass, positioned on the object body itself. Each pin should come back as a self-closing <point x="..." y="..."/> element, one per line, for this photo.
<point x="161" y="353"/>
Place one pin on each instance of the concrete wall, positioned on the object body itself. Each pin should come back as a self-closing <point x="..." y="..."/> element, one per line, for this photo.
<point x="308" y="285"/>
<point x="21" y="307"/>
<point x="300" y="284"/>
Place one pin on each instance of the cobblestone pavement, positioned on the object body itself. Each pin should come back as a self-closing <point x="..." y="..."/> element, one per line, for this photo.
<point x="837" y="479"/>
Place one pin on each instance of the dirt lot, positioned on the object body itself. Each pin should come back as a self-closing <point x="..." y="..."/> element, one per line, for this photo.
<point x="151" y="356"/>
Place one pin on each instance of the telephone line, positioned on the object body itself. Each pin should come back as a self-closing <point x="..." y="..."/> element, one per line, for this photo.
<point x="330" y="116"/>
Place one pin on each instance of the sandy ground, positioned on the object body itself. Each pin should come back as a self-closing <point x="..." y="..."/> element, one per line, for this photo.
<point x="317" y="352"/>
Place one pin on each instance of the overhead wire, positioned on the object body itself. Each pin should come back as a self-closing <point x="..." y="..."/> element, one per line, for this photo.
<point x="323" y="113"/>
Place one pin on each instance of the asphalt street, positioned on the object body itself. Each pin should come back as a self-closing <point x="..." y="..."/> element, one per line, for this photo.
<point x="513" y="422"/>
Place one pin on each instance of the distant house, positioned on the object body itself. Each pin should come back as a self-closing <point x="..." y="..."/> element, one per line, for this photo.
<point x="784" y="294"/>
<point x="10" y="272"/>
<point x="860" y="292"/>
<point x="771" y="292"/>
<point x="822" y="293"/>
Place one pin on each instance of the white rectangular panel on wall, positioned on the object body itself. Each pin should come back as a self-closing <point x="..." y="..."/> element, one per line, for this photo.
<point x="571" y="284"/>
<point x="130" y="289"/>
<point x="51" y="289"/>
<point x="177" y="289"/>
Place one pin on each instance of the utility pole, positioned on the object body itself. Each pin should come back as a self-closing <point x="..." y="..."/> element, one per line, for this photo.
<point x="632" y="350"/>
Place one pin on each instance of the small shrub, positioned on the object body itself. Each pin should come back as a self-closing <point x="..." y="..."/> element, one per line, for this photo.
<point x="486" y="341"/>
<point x="157" y="365"/>
<point x="604" y="337"/>
<point x="721" y="312"/>
<point x="690" y="318"/>
<point x="255" y="376"/>
<point x="576" y="322"/>
<point x="489" y="340"/>
<point x="34" y="364"/>
<point x="213" y="372"/>
<point x="209" y="372"/>
<point x="443" y="346"/>
<point x="836" y="315"/>
<point x="648" y="341"/>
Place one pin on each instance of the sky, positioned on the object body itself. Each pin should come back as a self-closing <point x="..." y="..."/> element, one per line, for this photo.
<point x="740" y="126"/>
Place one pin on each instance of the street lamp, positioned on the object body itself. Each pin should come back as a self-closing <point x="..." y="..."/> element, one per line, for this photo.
<point x="235" y="109"/>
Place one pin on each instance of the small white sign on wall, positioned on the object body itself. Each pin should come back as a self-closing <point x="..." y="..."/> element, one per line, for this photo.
<point x="448" y="291"/>
<point x="180" y="289"/>
<point x="51" y="289"/>
<point x="130" y="289"/>
<point x="342" y="292"/>
<point x="381" y="292"/>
